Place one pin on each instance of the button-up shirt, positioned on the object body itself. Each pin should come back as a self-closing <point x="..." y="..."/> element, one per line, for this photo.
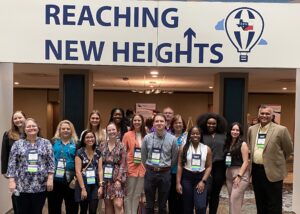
<point x="258" y="152"/>
<point x="30" y="182"/>
<point x="168" y="145"/>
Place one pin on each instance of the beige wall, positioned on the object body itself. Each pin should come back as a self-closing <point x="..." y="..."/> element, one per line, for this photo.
<point x="287" y="102"/>
<point x="33" y="102"/>
<point x="186" y="104"/>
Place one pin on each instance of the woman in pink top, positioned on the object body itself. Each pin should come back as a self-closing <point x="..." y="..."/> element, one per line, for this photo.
<point x="132" y="141"/>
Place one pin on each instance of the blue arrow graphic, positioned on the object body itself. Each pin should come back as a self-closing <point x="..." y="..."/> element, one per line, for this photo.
<point x="189" y="33"/>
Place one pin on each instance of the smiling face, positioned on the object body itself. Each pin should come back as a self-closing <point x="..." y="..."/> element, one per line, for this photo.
<point x="94" y="120"/>
<point x="265" y="115"/>
<point x="117" y="116"/>
<point x="137" y="122"/>
<point x="65" y="131"/>
<point x="111" y="130"/>
<point x="89" y="139"/>
<point x="18" y="119"/>
<point x="178" y="125"/>
<point x="159" y="123"/>
<point x="235" y="132"/>
<point x="195" y="135"/>
<point x="31" y="128"/>
<point x="211" y="125"/>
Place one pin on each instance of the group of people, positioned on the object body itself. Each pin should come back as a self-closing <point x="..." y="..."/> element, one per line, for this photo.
<point x="185" y="167"/>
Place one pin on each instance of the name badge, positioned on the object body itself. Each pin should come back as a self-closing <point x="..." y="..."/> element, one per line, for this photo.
<point x="60" y="170"/>
<point x="155" y="156"/>
<point x="228" y="159"/>
<point x="196" y="162"/>
<point x="137" y="155"/>
<point x="261" y="140"/>
<point x="32" y="159"/>
<point x="108" y="171"/>
<point x="90" y="176"/>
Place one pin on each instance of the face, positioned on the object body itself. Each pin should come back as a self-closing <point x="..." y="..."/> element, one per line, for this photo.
<point x="111" y="130"/>
<point x="18" y="119"/>
<point x="137" y="122"/>
<point x="89" y="139"/>
<point x="211" y="125"/>
<point x="31" y="128"/>
<point x="235" y="132"/>
<point x="117" y="116"/>
<point x="159" y="123"/>
<point x="265" y="115"/>
<point x="95" y="120"/>
<point x="65" y="130"/>
<point x="169" y="114"/>
<point x="195" y="135"/>
<point x="178" y="125"/>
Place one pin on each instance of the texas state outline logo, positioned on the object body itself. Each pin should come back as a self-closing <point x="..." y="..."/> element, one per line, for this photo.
<point x="244" y="27"/>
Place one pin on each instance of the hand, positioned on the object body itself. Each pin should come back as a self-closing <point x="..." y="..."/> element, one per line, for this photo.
<point x="12" y="185"/>
<point x="83" y="194"/>
<point x="100" y="192"/>
<point x="118" y="184"/>
<point x="179" y="188"/>
<point x="49" y="184"/>
<point x="200" y="187"/>
<point x="236" y="182"/>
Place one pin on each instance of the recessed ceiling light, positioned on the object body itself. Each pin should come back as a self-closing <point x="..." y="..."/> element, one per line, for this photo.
<point x="94" y="84"/>
<point x="210" y="87"/>
<point x="16" y="83"/>
<point x="284" y="88"/>
<point x="154" y="76"/>
<point x="154" y="72"/>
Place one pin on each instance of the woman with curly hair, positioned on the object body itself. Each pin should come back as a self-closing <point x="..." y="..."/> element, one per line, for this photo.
<point x="194" y="167"/>
<point x="213" y="128"/>
<point x="117" y="117"/>
<point x="237" y="173"/>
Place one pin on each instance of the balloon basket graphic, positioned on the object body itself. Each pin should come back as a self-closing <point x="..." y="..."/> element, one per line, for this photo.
<point x="243" y="58"/>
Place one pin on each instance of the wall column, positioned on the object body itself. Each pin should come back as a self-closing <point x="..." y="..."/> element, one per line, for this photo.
<point x="230" y="97"/>
<point x="76" y="96"/>
<point x="6" y="110"/>
<point x="296" y="170"/>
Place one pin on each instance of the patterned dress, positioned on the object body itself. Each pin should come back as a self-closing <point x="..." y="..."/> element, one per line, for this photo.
<point x="117" y="157"/>
<point x="31" y="182"/>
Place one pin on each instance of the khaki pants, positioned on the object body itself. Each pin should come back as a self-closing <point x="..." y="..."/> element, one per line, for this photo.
<point x="135" y="186"/>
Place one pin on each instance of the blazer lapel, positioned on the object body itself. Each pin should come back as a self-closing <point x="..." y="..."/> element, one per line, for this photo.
<point x="269" y="135"/>
<point x="254" y="136"/>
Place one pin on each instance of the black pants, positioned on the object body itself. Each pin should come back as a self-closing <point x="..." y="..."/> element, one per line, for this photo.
<point x="61" y="192"/>
<point x="14" y="200"/>
<point x="191" y="198"/>
<point x="160" y="181"/>
<point x="90" y="205"/>
<point x="175" y="200"/>
<point x="218" y="178"/>
<point x="31" y="203"/>
<point x="268" y="195"/>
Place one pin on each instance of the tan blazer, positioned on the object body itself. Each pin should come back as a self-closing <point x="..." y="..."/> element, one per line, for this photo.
<point x="278" y="147"/>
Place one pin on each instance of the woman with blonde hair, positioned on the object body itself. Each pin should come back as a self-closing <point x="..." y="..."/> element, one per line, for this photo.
<point x="94" y="124"/>
<point x="15" y="133"/>
<point x="64" y="149"/>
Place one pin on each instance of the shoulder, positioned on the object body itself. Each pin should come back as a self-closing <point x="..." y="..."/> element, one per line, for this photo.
<point x="80" y="152"/>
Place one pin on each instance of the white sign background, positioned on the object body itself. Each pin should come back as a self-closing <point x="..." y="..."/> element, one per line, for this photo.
<point x="24" y="31"/>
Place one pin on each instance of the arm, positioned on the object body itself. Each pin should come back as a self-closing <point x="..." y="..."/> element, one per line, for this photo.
<point x="122" y="175"/>
<point x="144" y="151"/>
<point x="4" y="153"/>
<point x="174" y="153"/>
<point x="286" y="143"/>
<point x="78" y="168"/>
<point x="245" y="156"/>
<point x="50" y="165"/>
<point x="179" y="171"/>
<point x="208" y="166"/>
<point x="101" y="181"/>
<point x="11" y="170"/>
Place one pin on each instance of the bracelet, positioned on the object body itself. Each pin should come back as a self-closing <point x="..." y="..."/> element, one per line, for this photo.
<point x="82" y="188"/>
<point x="239" y="176"/>
<point x="204" y="181"/>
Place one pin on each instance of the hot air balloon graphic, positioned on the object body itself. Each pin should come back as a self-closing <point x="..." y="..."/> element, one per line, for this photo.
<point x="244" y="27"/>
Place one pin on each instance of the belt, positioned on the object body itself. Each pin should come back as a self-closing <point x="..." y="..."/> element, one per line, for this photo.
<point x="158" y="169"/>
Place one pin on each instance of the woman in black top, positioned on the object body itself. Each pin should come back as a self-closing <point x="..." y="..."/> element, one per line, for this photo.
<point x="237" y="174"/>
<point x="213" y="128"/>
<point x="15" y="133"/>
<point x="117" y="117"/>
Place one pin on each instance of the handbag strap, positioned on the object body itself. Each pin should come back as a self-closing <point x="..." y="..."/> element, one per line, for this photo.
<point x="83" y="170"/>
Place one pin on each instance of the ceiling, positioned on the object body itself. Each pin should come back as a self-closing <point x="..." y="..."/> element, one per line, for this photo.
<point x="169" y="79"/>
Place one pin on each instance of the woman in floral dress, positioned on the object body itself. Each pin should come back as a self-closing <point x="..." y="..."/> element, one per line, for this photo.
<point x="112" y="172"/>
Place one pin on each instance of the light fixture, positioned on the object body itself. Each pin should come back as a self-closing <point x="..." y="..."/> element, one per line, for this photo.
<point x="16" y="83"/>
<point x="210" y="87"/>
<point x="94" y="84"/>
<point x="154" y="73"/>
<point x="284" y="88"/>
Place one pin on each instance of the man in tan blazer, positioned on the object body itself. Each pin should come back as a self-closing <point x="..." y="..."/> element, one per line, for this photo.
<point x="270" y="145"/>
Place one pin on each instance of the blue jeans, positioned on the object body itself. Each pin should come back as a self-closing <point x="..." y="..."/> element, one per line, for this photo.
<point x="191" y="198"/>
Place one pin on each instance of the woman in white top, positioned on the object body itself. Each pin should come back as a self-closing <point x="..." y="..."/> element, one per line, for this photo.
<point x="194" y="167"/>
